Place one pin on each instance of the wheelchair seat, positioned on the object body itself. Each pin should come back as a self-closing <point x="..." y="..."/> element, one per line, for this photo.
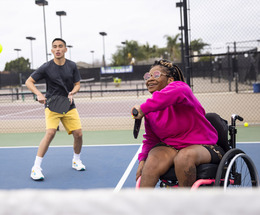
<point x="206" y="171"/>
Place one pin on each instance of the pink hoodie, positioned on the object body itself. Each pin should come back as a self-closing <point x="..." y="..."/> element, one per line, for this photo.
<point x="175" y="116"/>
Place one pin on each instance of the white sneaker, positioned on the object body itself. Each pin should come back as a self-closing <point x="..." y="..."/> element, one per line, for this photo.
<point x="78" y="165"/>
<point x="36" y="173"/>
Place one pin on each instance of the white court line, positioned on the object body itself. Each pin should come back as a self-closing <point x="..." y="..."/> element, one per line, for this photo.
<point x="127" y="172"/>
<point x="101" y="145"/>
<point x="253" y="142"/>
<point x="22" y="112"/>
<point x="61" y="146"/>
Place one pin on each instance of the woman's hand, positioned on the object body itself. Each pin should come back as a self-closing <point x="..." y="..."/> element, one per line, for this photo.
<point x="139" y="170"/>
<point x="140" y="112"/>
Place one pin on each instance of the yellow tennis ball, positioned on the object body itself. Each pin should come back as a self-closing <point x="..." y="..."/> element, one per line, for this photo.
<point x="1" y="48"/>
<point x="246" y="124"/>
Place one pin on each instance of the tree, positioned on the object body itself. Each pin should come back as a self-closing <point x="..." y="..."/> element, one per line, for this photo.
<point x="173" y="47"/>
<point x="18" y="65"/>
<point x="172" y="51"/>
<point x="132" y="49"/>
<point x="197" y="45"/>
<point x="118" y="58"/>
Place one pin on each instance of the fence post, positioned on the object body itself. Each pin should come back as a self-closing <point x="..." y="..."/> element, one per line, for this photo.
<point x="236" y="78"/>
<point x="212" y="69"/>
<point x="187" y="45"/>
<point x="90" y="89"/>
<point x="235" y="67"/>
<point x="101" y="92"/>
<point x="229" y="71"/>
<point x="17" y="93"/>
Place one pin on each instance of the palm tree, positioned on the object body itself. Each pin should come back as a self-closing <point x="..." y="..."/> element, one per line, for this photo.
<point x="197" y="45"/>
<point x="173" y="47"/>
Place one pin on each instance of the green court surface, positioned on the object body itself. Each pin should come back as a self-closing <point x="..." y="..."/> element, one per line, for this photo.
<point x="62" y="138"/>
<point x="244" y="134"/>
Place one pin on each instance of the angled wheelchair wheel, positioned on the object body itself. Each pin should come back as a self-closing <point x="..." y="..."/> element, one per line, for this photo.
<point x="236" y="169"/>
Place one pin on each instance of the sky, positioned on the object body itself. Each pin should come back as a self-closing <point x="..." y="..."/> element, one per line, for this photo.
<point x="145" y="21"/>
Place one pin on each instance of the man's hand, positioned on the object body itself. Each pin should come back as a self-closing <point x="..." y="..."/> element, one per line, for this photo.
<point x="70" y="96"/>
<point x="41" y="98"/>
<point x="30" y="83"/>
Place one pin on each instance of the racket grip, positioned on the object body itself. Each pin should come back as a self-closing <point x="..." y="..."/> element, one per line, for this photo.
<point x="135" y="112"/>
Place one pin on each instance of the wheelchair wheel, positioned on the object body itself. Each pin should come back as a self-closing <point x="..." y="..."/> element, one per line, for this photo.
<point x="236" y="169"/>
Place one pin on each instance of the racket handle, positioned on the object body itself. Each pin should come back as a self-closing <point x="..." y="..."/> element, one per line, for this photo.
<point x="135" y="112"/>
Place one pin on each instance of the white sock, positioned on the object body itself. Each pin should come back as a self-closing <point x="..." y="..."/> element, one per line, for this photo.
<point x="76" y="156"/>
<point x="38" y="161"/>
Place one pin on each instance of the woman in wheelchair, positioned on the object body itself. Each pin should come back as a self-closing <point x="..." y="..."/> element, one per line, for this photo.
<point x="176" y="130"/>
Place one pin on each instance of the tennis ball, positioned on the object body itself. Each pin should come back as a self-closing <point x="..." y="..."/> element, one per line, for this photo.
<point x="246" y="124"/>
<point x="1" y="48"/>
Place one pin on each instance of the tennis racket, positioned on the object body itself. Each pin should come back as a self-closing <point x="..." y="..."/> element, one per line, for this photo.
<point x="137" y="123"/>
<point x="58" y="104"/>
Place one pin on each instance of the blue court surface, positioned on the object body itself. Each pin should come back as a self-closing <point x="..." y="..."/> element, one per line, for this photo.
<point x="107" y="166"/>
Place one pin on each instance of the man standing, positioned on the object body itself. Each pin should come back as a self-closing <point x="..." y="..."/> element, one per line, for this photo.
<point x="62" y="82"/>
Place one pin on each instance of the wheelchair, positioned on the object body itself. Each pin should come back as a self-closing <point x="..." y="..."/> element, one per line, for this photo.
<point x="236" y="168"/>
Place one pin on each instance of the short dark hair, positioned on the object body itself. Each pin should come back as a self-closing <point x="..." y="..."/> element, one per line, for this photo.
<point x="60" y="39"/>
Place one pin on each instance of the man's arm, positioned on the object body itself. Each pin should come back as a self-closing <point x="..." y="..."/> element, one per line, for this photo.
<point x="74" y="90"/>
<point x="30" y="83"/>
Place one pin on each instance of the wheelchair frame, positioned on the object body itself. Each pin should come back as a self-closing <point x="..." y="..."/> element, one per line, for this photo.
<point x="229" y="170"/>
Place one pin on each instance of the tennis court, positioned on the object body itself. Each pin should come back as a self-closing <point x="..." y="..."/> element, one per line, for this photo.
<point x="105" y="167"/>
<point x="109" y="153"/>
<point x="111" y="164"/>
<point x="106" y="164"/>
<point x="110" y="168"/>
<point x="106" y="153"/>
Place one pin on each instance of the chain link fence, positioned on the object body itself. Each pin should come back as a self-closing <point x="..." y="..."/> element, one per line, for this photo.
<point x="225" y="76"/>
<point x="226" y="73"/>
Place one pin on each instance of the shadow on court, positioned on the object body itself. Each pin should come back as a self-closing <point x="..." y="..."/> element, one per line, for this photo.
<point x="105" y="166"/>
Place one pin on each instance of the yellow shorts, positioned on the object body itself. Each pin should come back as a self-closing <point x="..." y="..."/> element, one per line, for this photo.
<point x="70" y="120"/>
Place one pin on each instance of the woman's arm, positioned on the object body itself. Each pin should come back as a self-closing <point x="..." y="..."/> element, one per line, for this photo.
<point x="173" y="93"/>
<point x="150" y="140"/>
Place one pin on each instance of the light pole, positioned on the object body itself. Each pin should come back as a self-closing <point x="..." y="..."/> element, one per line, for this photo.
<point x="60" y="13"/>
<point x="124" y="49"/>
<point x="186" y="42"/>
<point x="181" y="28"/>
<point x="70" y="46"/>
<point x="43" y="3"/>
<point x="18" y="50"/>
<point x="31" y="39"/>
<point x="92" y="57"/>
<point x="103" y="34"/>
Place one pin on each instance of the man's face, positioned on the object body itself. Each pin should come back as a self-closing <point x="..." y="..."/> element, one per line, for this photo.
<point x="58" y="49"/>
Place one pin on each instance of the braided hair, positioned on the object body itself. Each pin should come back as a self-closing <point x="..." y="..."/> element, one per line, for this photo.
<point x="171" y="69"/>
